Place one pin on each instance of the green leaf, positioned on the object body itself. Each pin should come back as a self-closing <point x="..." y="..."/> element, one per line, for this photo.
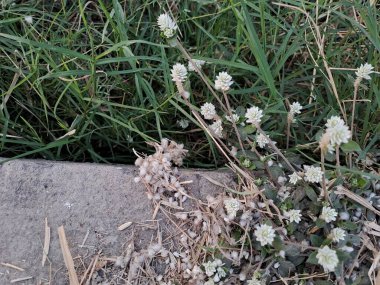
<point x="310" y="193"/>
<point x="351" y="146"/>
<point x="278" y="244"/>
<point x="316" y="240"/>
<point x="286" y="268"/>
<point x="320" y="223"/>
<point x="292" y="250"/>
<point x="312" y="258"/>
<point x="249" y="129"/>
<point x="342" y="255"/>
<point x="347" y="225"/>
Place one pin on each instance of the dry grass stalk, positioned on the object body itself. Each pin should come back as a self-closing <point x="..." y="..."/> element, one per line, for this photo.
<point x="319" y="39"/>
<point x="343" y="191"/>
<point x="93" y="268"/>
<point x="12" y="266"/>
<point x="46" y="243"/>
<point x="73" y="277"/>
<point x="124" y="226"/>
<point x="86" y="272"/>
<point x="21" y="279"/>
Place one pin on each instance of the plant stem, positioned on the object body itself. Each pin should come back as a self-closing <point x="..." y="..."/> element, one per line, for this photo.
<point x="233" y="121"/>
<point x="290" y="119"/>
<point x="324" y="188"/>
<point x="337" y="159"/>
<point x="275" y="148"/>
<point x="203" y="77"/>
<point x="356" y="89"/>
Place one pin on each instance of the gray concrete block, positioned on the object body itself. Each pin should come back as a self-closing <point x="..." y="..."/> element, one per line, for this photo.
<point x="94" y="198"/>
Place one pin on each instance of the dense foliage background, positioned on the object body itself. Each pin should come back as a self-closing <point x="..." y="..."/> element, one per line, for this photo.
<point x="102" y="69"/>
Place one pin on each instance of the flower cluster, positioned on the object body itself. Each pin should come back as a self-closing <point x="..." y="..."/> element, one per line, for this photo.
<point x="336" y="133"/>
<point x="294" y="178"/>
<point x="265" y="234"/>
<point x="295" y="108"/>
<point x="208" y="111"/>
<point x="313" y="174"/>
<point x="328" y="214"/>
<point x="254" y="115"/>
<point x="262" y="140"/>
<point x="223" y="81"/>
<point x="215" y="270"/>
<point x="337" y="234"/>
<point x="328" y="258"/>
<point x="364" y="71"/>
<point x="167" y="26"/>
<point x="293" y="216"/>
<point x="234" y="118"/>
<point x="232" y="207"/>
<point x="179" y="73"/>
<point x="217" y="129"/>
<point x="197" y="62"/>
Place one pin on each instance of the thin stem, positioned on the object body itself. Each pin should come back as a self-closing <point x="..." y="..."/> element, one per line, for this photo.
<point x="290" y="119"/>
<point x="337" y="159"/>
<point x="275" y="148"/>
<point x="218" y="142"/>
<point x="203" y="77"/>
<point x="229" y="110"/>
<point x="324" y="188"/>
<point x="356" y="90"/>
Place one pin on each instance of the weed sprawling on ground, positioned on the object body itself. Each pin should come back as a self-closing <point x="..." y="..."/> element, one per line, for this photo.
<point x="284" y="93"/>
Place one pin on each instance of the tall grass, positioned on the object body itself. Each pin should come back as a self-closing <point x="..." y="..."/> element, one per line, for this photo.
<point x="101" y="68"/>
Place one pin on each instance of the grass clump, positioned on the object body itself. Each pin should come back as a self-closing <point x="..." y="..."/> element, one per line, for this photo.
<point x="102" y="70"/>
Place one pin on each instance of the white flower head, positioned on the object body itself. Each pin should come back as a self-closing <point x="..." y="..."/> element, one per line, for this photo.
<point x="210" y="268"/>
<point x="217" y="128"/>
<point x="327" y="258"/>
<point x="167" y="25"/>
<point x="28" y="20"/>
<point x="223" y="81"/>
<point x="313" y="174"/>
<point x="262" y="140"/>
<point x="338" y="135"/>
<point x="221" y="273"/>
<point x="293" y="216"/>
<point x="265" y="234"/>
<point x="337" y="234"/>
<point x="364" y="71"/>
<point x="232" y="206"/>
<point x="294" y="178"/>
<point x="233" y="119"/>
<point x="295" y="108"/>
<point x="208" y="111"/>
<point x="334" y="121"/>
<point x="183" y="123"/>
<point x="179" y="72"/>
<point x="197" y="62"/>
<point x="254" y="115"/>
<point x="328" y="214"/>
<point x="210" y="282"/>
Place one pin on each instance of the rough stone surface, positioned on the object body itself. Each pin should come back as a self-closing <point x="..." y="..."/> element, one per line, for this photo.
<point x="84" y="198"/>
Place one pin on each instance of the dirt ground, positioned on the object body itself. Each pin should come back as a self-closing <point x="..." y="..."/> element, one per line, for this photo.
<point x="90" y="201"/>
